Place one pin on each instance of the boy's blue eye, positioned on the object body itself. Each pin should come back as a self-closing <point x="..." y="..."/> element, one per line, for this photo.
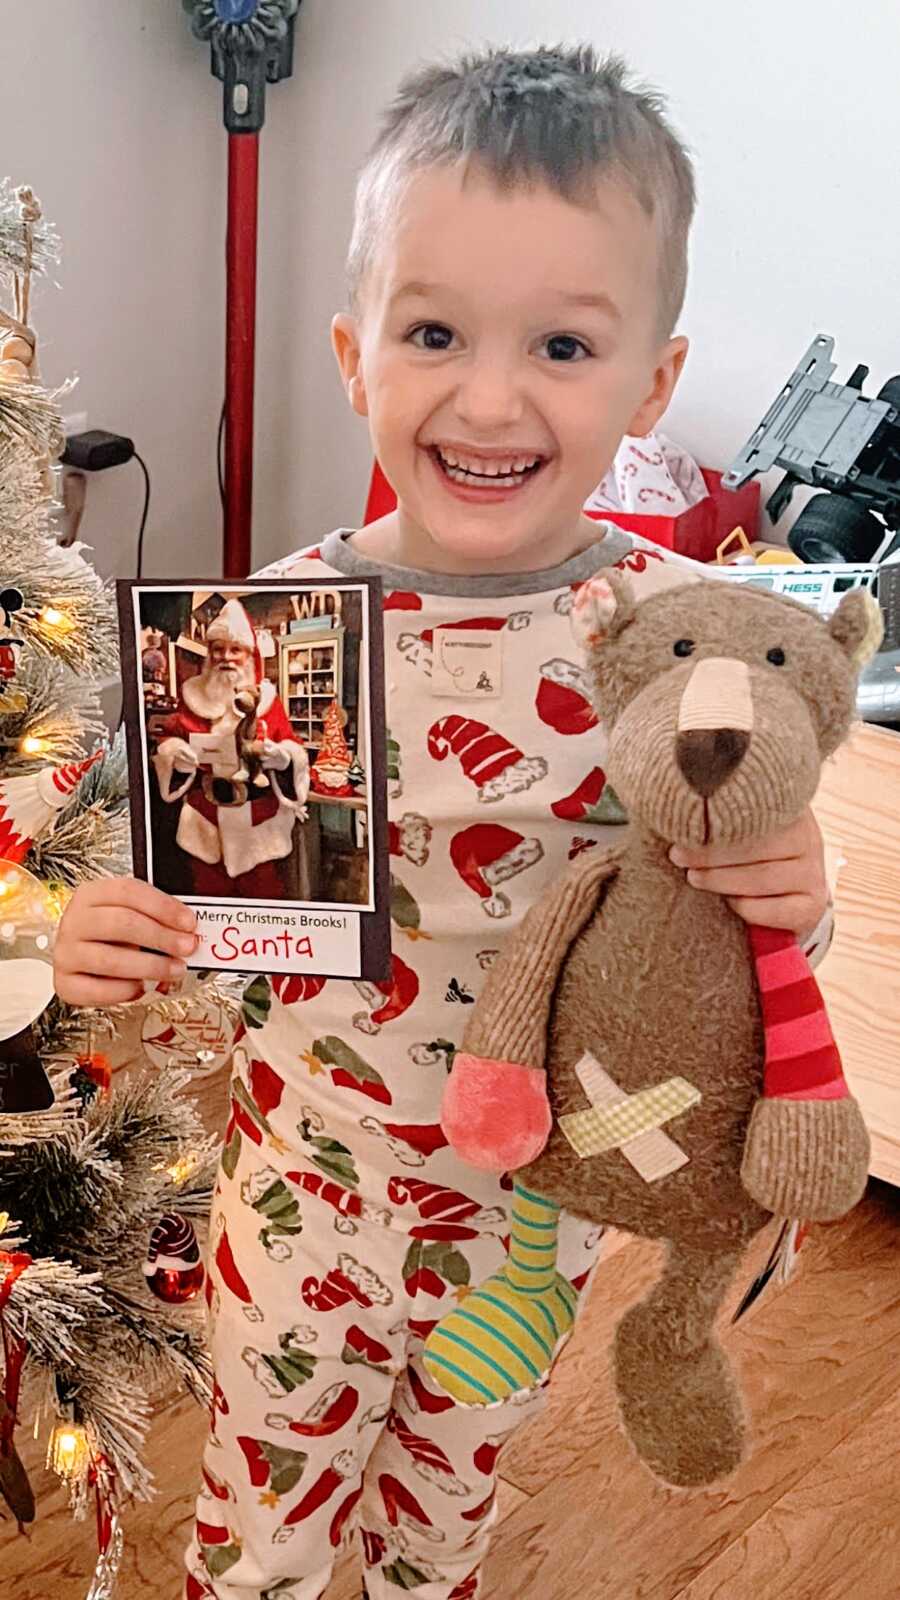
<point x="432" y="336"/>
<point x="565" y="347"/>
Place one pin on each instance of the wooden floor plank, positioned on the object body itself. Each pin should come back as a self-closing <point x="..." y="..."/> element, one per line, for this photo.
<point x="816" y="1362"/>
<point x="58" y="1559"/>
<point x="581" y="1516"/>
<point x="581" y="1405"/>
<point x="836" y="1534"/>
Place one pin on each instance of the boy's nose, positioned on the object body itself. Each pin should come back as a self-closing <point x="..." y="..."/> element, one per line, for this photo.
<point x="488" y="396"/>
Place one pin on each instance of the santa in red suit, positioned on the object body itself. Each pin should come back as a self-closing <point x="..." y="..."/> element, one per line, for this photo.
<point x="240" y="798"/>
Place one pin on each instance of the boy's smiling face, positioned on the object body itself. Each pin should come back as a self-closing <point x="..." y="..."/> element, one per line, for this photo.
<point x="505" y="342"/>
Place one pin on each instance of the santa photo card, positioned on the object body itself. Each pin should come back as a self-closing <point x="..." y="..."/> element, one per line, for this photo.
<point x="257" y="755"/>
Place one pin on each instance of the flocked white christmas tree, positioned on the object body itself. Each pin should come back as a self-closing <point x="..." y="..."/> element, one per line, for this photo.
<point x="97" y="1179"/>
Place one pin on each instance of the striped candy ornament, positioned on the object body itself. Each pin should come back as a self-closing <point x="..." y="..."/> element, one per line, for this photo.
<point x="802" y="1061"/>
<point x="28" y="804"/>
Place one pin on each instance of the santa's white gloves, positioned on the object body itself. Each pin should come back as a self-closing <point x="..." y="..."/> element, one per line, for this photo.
<point x="274" y="757"/>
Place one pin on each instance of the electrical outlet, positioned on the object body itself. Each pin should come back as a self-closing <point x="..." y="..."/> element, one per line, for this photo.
<point x="75" y="422"/>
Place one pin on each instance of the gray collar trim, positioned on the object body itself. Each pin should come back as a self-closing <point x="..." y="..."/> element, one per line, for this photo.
<point x="611" y="547"/>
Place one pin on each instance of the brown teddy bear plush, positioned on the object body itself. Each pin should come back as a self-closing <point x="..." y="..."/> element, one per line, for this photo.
<point x="637" y="1056"/>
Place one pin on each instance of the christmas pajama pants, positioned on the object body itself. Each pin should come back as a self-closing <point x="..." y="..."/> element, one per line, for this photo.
<point x="323" y="1418"/>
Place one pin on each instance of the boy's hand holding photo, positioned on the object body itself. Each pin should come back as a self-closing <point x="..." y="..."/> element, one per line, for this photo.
<point x="118" y="935"/>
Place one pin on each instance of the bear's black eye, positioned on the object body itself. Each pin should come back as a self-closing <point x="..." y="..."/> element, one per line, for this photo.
<point x="777" y="656"/>
<point x="684" y="647"/>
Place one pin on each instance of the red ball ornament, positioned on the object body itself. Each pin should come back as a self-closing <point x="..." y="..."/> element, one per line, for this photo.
<point x="94" y="1075"/>
<point x="173" y="1268"/>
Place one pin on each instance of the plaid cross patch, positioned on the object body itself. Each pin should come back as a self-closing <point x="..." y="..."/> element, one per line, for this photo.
<point x="630" y="1123"/>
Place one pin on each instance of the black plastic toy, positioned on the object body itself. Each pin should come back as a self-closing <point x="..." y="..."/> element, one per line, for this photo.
<point x="837" y="439"/>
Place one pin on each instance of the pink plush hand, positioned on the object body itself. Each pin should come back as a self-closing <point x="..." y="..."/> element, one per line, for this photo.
<point x="496" y="1113"/>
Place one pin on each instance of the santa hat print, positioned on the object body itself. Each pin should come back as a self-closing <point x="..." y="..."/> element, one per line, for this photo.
<point x="486" y="855"/>
<point x="563" y="699"/>
<point x="387" y="1000"/>
<point x="233" y="626"/>
<point x="496" y="767"/>
<point x="230" y="1275"/>
<point x="410" y="837"/>
<point x="594" y="800"/>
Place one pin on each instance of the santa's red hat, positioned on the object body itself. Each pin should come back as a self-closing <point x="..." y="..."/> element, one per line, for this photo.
<point x="487" y="855"/>
<point x="496" y="767"/>
<point x="233" y="626"/>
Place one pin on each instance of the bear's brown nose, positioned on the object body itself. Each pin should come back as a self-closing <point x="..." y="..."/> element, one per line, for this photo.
<point x="707" y="756"/>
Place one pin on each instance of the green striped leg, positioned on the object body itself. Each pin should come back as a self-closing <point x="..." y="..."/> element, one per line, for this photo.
<point x="503" y="1337"/>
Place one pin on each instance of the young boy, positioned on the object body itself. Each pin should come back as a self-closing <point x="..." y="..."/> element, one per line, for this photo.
<point x="517" y="267"/>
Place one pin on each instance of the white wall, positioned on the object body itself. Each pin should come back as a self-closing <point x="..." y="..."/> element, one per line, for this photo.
<point x="105" y="112"/>
<point x="791" y="108"/>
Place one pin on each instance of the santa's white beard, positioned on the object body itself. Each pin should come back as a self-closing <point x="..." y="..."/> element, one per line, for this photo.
<point x="221" y="684"/>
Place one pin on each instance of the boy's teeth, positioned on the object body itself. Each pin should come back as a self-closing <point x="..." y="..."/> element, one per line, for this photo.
<point x="474" y="466"/>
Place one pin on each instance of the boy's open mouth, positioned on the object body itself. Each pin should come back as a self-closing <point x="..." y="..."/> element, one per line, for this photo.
<point x="481" y="472"/>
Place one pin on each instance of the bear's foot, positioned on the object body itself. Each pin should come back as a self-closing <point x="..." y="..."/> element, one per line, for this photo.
<point x="501" y="1341"/>
<point x="680" y="1408"/>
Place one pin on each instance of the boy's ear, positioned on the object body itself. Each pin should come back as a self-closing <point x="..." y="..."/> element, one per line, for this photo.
<point x="669" y="363"/>
<point x="345" y="343"/>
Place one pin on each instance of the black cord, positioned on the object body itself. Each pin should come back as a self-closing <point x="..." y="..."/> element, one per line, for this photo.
<point x="219" y="467"/>
<point x="140" y="540"/>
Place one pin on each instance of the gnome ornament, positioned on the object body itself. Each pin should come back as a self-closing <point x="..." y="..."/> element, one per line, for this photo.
<point x="27" y="923"/>
<point x="173" y="1268"/>
<point x="330" y="775"/>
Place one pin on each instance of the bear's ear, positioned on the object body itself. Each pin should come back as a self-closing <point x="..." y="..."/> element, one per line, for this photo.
<point x="603" y="606"/>
<point x="858" y="626"/>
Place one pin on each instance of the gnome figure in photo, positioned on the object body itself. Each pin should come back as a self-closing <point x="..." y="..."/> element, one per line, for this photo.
<point x="240" y="803"/>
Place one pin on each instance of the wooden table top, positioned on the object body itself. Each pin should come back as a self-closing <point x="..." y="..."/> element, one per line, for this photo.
<point x="858" y="806"/>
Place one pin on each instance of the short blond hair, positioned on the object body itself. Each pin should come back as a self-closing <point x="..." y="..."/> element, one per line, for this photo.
<point x="559" y="116"/>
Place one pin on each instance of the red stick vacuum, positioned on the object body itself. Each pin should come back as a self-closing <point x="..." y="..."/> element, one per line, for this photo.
<point x="240" y="351"/>
<point x="252" y="44"/>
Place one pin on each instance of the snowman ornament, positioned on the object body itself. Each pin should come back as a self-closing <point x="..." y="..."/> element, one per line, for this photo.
<point x="27" y="925"/>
